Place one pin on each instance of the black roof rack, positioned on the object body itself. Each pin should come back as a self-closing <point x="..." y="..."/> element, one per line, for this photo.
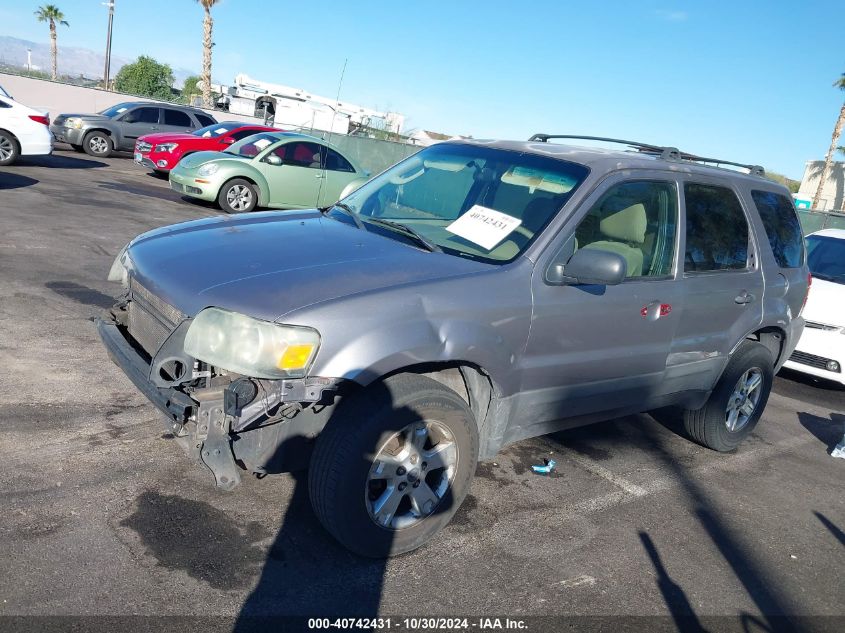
<point x="666" y="153"/>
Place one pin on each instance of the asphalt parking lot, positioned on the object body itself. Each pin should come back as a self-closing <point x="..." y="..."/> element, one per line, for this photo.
<point x="103" y="514"/>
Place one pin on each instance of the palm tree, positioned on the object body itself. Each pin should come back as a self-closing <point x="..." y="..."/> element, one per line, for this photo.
<point x="207" y="25"/>
<point x="51" y="13"/>
<point x="828" y="160"/>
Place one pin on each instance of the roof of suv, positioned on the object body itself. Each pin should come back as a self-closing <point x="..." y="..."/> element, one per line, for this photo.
<point x="606" y="159"/>
<point x="177" y="106"/>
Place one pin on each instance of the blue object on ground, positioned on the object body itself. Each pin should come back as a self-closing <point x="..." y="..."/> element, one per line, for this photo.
<point x="546" y="468"/>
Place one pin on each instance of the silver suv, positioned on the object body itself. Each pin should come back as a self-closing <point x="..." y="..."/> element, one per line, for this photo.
<point x="475" y="294"/>
<point x="118" y="127"/>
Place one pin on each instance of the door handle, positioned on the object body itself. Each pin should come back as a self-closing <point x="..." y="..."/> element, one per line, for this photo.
<point x="744" y="297"/>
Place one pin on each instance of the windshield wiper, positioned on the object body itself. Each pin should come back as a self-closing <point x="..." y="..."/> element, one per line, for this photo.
<point x="347" y="210"/>
<point x="407" y="230"/>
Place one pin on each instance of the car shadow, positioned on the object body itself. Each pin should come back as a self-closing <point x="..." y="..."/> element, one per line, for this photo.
<point x="61" y="161"/>
<point x="809" y="380"/>
<point x="828" y="431"/>
<point x="15" y="181"/>
<point x="81" y="294"/>
<point x="336" y="582"/>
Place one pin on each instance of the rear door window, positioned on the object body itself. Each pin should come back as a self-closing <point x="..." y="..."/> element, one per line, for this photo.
<point x="782" y="227"/>
<point x="204" y="119"/>
<point x="717" y="230"/>
<point x="177" y="118"/>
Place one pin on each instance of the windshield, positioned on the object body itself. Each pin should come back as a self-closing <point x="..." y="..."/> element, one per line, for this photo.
<point x="826" y="258"/>
<point x="476" y="202"/>
<point x="4" y="93"/>
<point x="252" y="145"/>
<point x="113" y="111"/>
<point x="218" y="129"/>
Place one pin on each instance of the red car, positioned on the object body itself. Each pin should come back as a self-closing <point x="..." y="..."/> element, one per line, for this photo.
<point x="160" y="152"/>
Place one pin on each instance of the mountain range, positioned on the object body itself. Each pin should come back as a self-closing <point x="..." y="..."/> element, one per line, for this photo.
<point x="72" y="60"/>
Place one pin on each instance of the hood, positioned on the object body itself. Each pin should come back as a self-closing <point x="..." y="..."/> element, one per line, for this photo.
<point x="824" y="303"/>
<point x="86" y="117"/>
<point x="198" y="158"/>
<point x="268" y="264"/>
<point x="167" y="137"/>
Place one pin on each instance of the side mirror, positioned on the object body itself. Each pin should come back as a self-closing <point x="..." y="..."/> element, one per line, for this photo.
<point x="272" y="159"/>
<point x="589" y="266"/>
<point x="227" y="140"/>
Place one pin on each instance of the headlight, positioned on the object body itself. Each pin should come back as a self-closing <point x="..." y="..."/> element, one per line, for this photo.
<point x="166" y="147"/>
<point x="119" y="270"/>
<point x="247" y="346"/>
<point x="74" y="122"/>
<point x="209" y="169"/>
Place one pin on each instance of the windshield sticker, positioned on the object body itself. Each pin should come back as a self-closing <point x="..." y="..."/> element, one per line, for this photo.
<point x="220" y="130"/>
<point x="538" y="179"/>
<point x="261" y="143"/>
<point x="483" y="226"/>
<point x="119" y="110"/>
<point x="206" y="134"/>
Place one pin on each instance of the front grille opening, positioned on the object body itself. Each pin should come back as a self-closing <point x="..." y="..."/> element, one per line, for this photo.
<point x="172" y="370"/>
<point x="811" y="360"/>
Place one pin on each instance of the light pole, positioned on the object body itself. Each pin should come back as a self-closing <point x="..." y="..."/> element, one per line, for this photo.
<point x="110" y="5"/>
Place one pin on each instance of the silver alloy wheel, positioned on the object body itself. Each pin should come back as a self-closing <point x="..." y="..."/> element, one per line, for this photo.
<point x="743" y="401"/>
<point x="239" y="197"/>
<point x="410" y="475"/>
<point x="6" y="148"/>
<point x="98" y="145"/>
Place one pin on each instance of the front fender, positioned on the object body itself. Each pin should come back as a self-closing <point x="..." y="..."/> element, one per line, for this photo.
<point x="481" y="320"/>
<point x="240" y="169"/>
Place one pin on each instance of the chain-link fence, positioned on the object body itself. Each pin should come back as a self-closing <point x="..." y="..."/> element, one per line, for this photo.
<point x="812" y="221"/>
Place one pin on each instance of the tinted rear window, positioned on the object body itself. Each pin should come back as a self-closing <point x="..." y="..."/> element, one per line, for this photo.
<point x="176" y="118"/>
<point x="782" y="227"/>
<point x="204" y="119"/>
<point x="717" y="231"/>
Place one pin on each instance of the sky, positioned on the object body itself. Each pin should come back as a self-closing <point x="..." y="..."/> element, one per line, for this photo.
<point x="748" y="81"/>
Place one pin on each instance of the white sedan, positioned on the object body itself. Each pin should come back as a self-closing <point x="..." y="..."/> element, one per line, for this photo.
<point x="821" y="350"/>
<point x="23" y="131"/>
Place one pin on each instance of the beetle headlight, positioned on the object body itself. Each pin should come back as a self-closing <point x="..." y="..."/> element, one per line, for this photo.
<point x="251" y="347"/>
<point x="209" y="169"/>
<point x="119" y="271"/>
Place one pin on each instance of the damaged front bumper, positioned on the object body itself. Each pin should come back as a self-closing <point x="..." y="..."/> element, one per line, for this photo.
<point x="267" y="428"/>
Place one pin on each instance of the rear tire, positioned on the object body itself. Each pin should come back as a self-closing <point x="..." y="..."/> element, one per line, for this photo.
<point x="736" y="404"/>
<point x="237" y="196"/>
<point x="10" y="149"/>
<point x="98" y="144"/>
<point x="393" y="465"/>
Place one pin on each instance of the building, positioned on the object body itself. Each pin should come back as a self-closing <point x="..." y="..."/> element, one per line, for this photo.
<point x="426" y="137"/>
<point x="833" y="193"/>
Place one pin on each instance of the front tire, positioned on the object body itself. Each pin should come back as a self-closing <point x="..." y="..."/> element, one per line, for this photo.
<point x="736" y="404"/>
<point x="10" y="149"/>
<point x="393" y="465"/>
<point x="237" y="196"/>
<point x="98" y="144"/>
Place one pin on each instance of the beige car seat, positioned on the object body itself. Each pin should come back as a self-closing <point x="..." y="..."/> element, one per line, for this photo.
<point x="625" y="233"/>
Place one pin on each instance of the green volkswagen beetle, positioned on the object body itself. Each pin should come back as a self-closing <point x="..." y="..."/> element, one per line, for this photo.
<point x="282" y="170"/>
